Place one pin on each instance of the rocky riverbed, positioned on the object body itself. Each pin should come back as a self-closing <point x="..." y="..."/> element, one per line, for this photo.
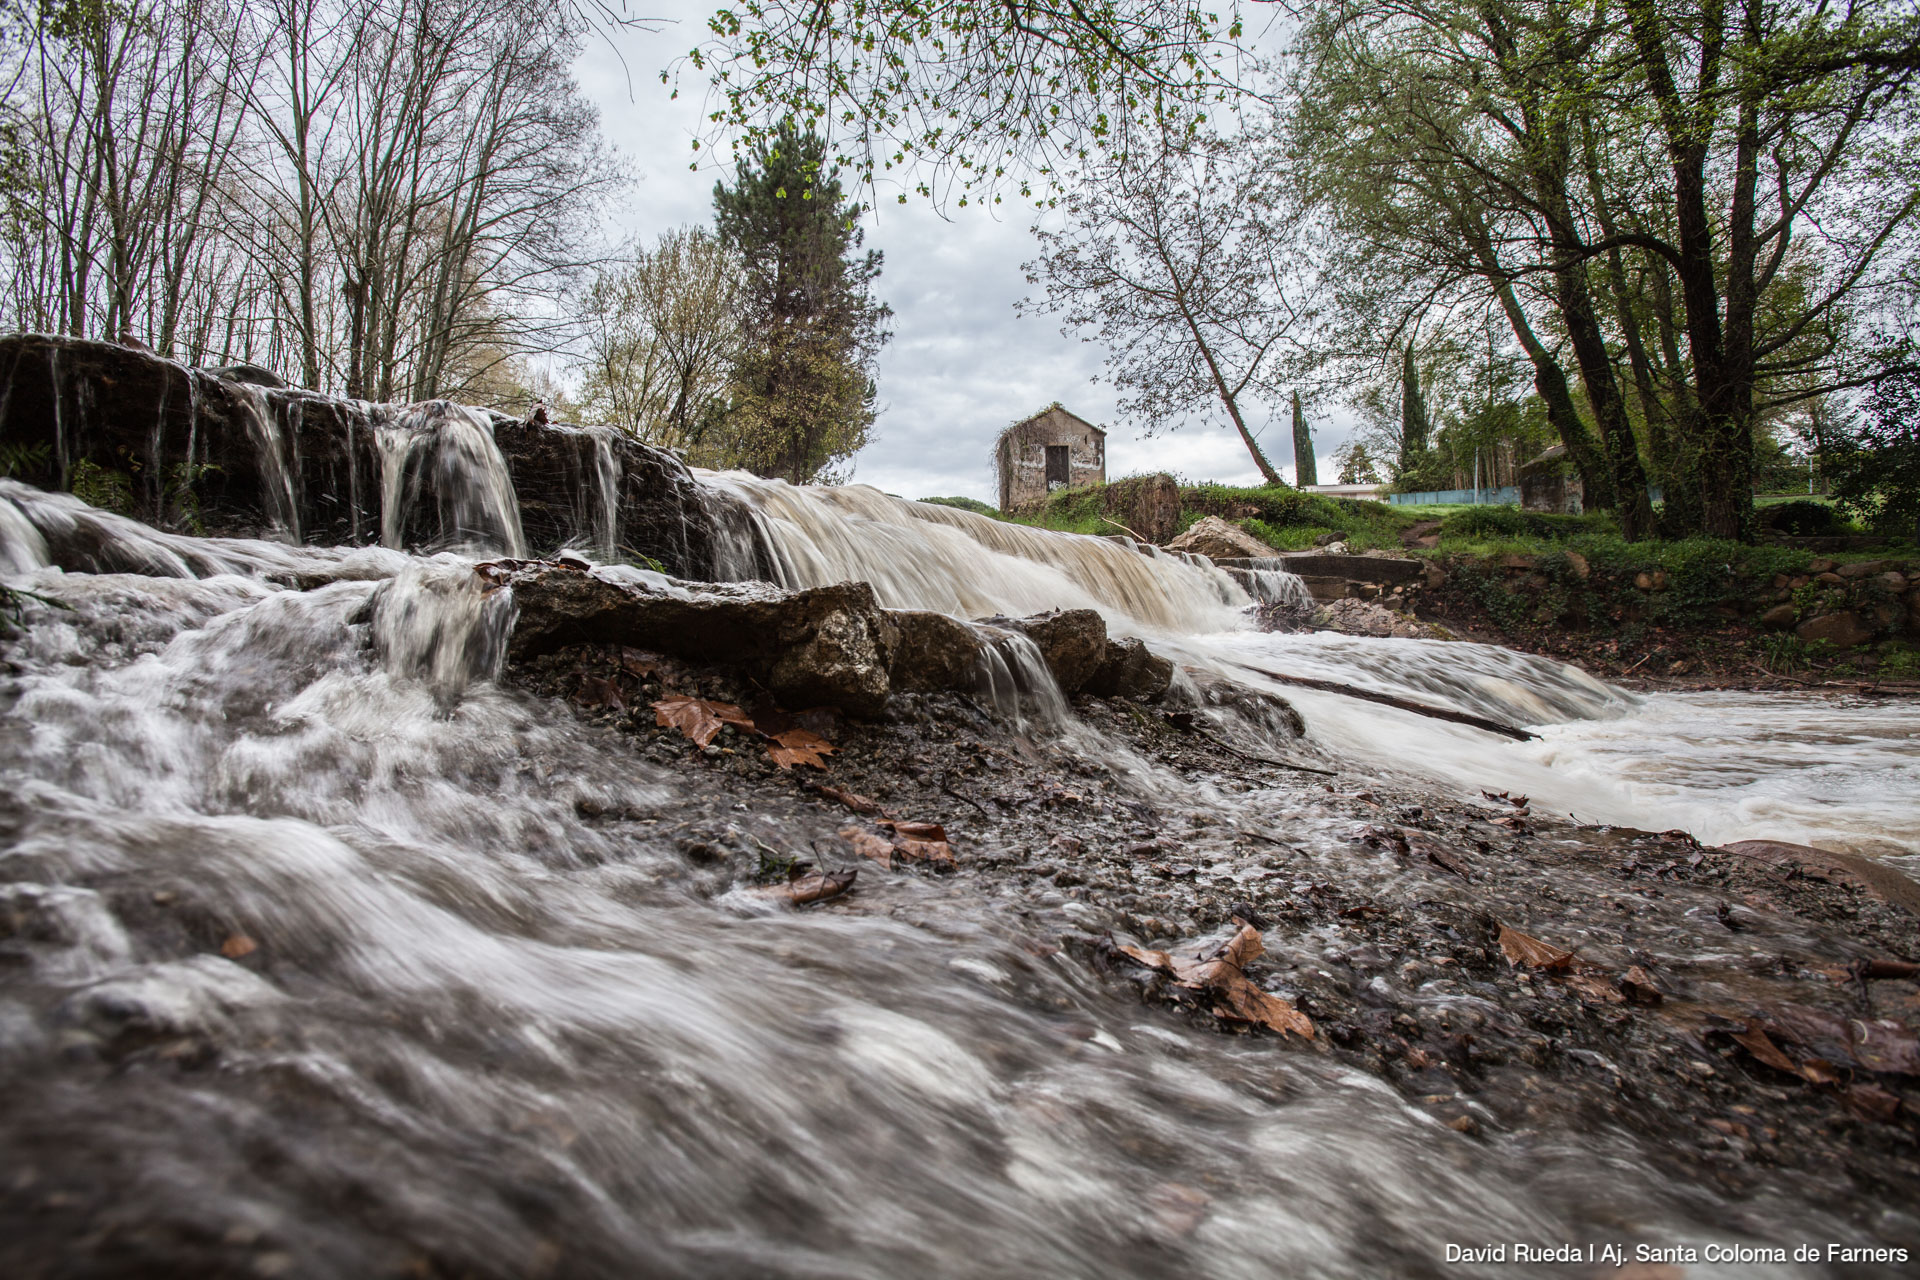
<point x="1747" y="1011"/>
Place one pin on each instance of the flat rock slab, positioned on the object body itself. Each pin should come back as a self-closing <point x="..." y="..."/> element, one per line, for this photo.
<point x="1884" y="882"/>
<point x="823" y="646"/>
<point x="1359" y="568"/>
<point x="831" y="646"/>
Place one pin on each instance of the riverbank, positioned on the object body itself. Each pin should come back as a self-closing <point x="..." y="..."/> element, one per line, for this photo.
<point x="1788" y="613"/>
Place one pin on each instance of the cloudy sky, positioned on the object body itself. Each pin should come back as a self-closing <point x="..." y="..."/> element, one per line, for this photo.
<point x="961" y="365"/>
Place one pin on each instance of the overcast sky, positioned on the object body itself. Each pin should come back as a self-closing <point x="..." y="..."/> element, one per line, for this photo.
<point x="961" y="364"/>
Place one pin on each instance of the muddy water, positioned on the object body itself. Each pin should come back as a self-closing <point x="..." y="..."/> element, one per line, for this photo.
<point x="327" y="955"/>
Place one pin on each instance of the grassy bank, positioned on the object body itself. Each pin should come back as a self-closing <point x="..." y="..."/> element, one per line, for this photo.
<point x="1285" y="519"/>
<point x="1571" y="585"/>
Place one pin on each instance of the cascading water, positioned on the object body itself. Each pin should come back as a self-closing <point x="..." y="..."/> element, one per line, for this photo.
<point x="272" y="448"/>
<point x="477" y="504"/>
<point x="330" y="956"/>
<point x="1604" y="755"/>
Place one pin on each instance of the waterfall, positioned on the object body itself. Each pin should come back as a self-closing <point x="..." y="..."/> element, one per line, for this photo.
<point x="919" y="555"/>
<point x="476" y="504"/>
<point x="271" y="448"/>
<point x="606" y="488"/>
<point x="329" y="953"/>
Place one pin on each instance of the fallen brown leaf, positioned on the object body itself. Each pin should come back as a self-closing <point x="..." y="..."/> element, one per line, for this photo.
<point x="869" y="845"/>
<point x="1240" y="999"/>
<point x="908" y="841"/>
<point x="916" y="830"/>
<point x="638" y="662"/>
<point x="1220" y="975"/>
<point x="1437" y="853"/>
<point x="1871" y="1102"/>
<point x="1756" y="1042"/>
<point x="1535" y="954"/>
<point x="799" y="746"/>
<point x="1595" y="989"/>
<point x="598" y="691"/>
<point x="814" y="886"/>
<point x="1637" y="985"/>
<point x="1819" y="1071"/>
<point x="697" y="718"/>
<point x="921" y="842"/>
<point x="1883" y="1046"/>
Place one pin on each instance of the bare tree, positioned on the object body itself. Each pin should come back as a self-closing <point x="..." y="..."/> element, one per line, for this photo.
<point x="1182" y="269"/>
<point x="384" y="197"/>
<point x="661" y="332"/>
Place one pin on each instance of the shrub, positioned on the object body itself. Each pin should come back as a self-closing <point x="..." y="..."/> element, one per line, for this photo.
<point x="98" y="487"/>
<point x="965" y="504"/>
<point x="1802" y="518"/>
<point x="1512" y="522"/>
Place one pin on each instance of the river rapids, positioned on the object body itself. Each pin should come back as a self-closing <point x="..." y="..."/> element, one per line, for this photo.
<point x="322" y="959"/>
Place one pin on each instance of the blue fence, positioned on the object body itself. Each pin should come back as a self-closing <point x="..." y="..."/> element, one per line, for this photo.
<point x="1506" y="496"/>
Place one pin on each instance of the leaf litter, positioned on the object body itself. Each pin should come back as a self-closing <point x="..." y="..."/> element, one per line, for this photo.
<point x="790" y="743"/>
<point x="1222" y="975"/>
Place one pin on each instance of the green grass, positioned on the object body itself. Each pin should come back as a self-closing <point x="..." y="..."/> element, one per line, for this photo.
<point x="1285" y="519"/>
<point x="1289" y="520"/>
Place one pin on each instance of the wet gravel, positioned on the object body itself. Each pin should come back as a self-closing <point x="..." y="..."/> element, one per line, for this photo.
<point x="1381" y="909"/>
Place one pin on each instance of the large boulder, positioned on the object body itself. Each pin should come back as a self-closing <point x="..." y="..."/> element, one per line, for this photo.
<point x="1130" y="670"/>
<point x="1844" y="630"/>
<point x="825" y="645"/>
<point x="1072" y="641"/>
<point x="1215" y="538"/>
<point x="932" y="651"/>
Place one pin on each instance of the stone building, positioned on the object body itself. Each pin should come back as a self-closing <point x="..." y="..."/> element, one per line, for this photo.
<point x="1053" y="449"/>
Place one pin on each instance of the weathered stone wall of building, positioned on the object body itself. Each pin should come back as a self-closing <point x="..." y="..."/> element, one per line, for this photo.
<point x="1022" y="456"/>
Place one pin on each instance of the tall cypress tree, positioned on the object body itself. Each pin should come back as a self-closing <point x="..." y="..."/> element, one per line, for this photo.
<point x="1304" y="470"/>
<point x="803" y="394"/>
<point x="1414" y="426"/>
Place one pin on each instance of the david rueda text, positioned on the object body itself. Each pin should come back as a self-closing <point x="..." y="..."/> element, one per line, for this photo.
<point x="1619" y="1255"/>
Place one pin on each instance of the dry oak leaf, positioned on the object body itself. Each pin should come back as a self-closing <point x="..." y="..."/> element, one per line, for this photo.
<point x="799" y="746"/>
<point x="1221" y="975"/>
<point x="869" y="845"/>
<point x="1535" y="954"/>
<point x="697" y="718"/>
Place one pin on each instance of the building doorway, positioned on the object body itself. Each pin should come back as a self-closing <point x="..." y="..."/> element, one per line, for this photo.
<point x="1057" y="474"/>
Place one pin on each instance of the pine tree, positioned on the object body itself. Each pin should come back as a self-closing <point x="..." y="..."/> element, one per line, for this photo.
<point x="1304" y="470"/>
<point x="802" y="394"/>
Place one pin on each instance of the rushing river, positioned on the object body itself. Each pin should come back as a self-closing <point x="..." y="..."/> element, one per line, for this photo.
<point x="494" y="1035"/>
